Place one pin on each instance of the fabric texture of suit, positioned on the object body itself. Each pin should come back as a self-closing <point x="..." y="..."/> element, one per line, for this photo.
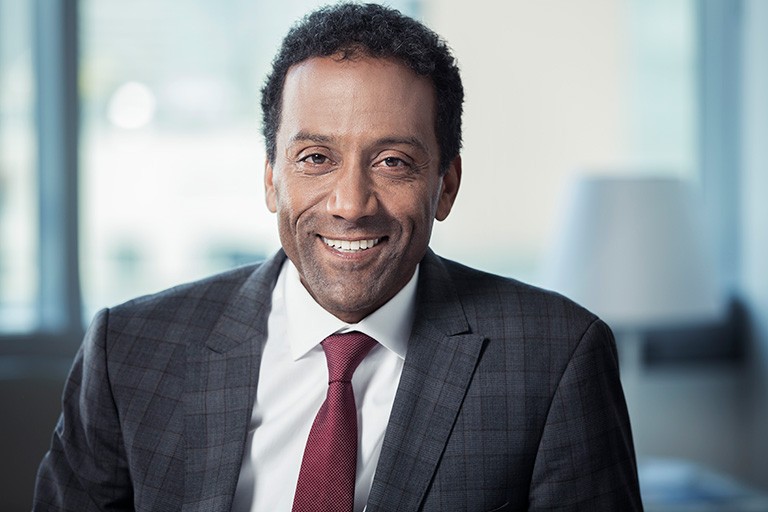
<point x="509" y="400"/>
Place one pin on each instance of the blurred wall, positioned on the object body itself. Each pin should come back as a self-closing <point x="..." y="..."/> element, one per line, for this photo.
<point x="754" y="275"/>
<point x="544" y="91"/>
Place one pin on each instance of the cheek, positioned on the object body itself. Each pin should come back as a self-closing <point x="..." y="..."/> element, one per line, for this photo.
<point x="286" y="193"/>
<point x="416" y="210"/>
<point x="427" y="202"/>
<point x="295" y="198"/>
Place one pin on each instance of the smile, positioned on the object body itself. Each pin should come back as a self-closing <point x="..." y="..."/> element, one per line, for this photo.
<point x="351" y="245"/>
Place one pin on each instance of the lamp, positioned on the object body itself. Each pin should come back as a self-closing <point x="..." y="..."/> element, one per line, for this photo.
<point x="633" y="249"/>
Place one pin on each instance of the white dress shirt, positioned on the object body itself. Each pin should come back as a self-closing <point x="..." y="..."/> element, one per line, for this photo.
<point x="293" y="382"/>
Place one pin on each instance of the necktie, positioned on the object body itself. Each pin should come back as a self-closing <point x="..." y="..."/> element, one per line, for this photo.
<point x="327" y="474"/>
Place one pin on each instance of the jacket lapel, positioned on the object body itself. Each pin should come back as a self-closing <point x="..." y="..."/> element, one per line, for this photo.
<point x="442" y="355"/>
<point x="220" y="391"/>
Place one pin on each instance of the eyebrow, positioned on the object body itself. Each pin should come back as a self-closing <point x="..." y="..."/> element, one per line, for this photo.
<point x="386" y="141"/>
<point x="311" y="137"/>
<point x="408" y="141"/>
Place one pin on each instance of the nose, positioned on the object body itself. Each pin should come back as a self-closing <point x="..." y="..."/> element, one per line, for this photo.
<point x="352" y="197"/>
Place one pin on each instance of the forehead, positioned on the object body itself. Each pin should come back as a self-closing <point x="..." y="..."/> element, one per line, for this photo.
<point x="341" y="92"/>
<point x="353" y="66"/>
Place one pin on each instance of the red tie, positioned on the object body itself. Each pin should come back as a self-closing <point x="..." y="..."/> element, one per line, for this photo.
<point x="327" y="476"/>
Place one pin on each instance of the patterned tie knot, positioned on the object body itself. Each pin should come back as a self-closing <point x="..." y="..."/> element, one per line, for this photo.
<point x="344" y="352"/>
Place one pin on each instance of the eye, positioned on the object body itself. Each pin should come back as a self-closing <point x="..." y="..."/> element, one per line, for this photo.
<point x="315" y="159"/>
<point x="395" y="164"/>
<point x="392" y="161"/>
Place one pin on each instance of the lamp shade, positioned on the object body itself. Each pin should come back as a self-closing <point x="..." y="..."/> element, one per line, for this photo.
<point x="634" y="250"/>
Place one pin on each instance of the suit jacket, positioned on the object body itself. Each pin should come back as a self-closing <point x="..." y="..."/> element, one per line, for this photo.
<point x="509" y="400"/>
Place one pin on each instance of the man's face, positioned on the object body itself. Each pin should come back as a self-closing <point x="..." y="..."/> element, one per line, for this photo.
<point x="355" y="182"/>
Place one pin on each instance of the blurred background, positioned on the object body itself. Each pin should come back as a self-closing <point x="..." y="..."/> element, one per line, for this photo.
<point x="615" y="150"/>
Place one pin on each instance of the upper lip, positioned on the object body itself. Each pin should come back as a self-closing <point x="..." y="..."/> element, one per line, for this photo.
<point x="350" y="239"/>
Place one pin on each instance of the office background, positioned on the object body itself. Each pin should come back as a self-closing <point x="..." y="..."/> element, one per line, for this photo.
<point x="131" y="160"/>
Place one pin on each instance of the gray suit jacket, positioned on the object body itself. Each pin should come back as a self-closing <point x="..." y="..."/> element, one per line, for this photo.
<point x="509" y="400"/>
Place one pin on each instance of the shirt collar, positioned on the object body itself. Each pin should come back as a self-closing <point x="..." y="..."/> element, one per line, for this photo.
<point x="308" y="323"/>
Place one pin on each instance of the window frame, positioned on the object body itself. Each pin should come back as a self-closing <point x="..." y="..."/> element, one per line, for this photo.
<point x="59" y="329"/>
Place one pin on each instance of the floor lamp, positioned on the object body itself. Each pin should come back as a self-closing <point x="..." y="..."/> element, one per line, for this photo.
<point x="634" y="250"/>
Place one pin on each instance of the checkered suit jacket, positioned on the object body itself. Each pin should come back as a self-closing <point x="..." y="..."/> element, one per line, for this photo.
<point x="509" y="400"/>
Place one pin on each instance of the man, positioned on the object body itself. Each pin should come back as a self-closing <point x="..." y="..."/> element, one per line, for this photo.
<point x="472" y="392"/>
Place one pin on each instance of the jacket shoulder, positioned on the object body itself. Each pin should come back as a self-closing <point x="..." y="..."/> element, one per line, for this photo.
<point x="211" y="289"/>
<point x="189" y="312"/>
<point x="490" y="300"/>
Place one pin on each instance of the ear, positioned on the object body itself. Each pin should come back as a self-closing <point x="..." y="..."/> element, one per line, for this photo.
<point x="269" y="187"/>
<point x="450" y="187"/>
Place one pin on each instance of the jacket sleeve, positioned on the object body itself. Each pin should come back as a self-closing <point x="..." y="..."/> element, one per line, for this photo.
<point x="85" y="468"/>
<point x="586" y="459"/>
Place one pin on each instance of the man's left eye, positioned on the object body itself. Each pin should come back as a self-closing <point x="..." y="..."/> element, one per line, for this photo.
<point x="392" y="161"/>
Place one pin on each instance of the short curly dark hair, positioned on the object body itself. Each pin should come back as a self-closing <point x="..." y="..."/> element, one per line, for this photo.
<point x="369" y="29"/>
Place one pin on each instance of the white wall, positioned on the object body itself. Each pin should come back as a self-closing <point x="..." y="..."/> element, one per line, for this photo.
<point x="544" y="94"/>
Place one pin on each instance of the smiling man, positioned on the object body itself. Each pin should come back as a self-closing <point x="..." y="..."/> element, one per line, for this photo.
<point x="356" y="178"/>
<point x="355" y="369"/>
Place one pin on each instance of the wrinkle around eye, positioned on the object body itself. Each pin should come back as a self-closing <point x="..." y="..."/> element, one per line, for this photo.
<point x="405" y="167"/>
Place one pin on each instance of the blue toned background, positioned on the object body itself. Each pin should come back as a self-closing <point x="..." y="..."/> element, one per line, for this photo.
<point x="131" y="160"/>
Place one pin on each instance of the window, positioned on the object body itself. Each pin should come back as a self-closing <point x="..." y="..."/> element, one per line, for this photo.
<point x="18" y="182"/>
<point x="171" y="153"/>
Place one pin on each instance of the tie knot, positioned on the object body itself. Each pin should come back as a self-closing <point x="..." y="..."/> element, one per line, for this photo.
<point x="344" y="352"/>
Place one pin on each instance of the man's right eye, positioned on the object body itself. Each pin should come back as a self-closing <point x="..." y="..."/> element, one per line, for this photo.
<point x="315" y="158"/>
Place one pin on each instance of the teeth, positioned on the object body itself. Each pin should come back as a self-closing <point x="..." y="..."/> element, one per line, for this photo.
<point x="351" y="246"/>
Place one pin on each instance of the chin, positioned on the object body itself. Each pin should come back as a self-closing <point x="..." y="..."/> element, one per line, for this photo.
<point x="348" y="307"/>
